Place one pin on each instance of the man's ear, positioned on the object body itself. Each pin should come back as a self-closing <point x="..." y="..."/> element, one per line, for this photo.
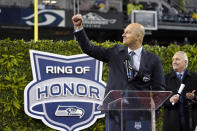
<point x="186" y="62"/>
<point x="139" y="37"/>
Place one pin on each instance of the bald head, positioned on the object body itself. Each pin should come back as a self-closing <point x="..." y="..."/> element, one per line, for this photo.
<point x="138" y="28"/>
<point x="133" y="35"/>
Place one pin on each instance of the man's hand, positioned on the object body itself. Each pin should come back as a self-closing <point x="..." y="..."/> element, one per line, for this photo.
<point x="190" y="95"/>
<point x="77" y="21"/>
<point x="174" y="99"/>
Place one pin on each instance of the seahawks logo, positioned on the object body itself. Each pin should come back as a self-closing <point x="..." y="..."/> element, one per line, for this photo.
<point x="69" y="111"/>
<point x="45" y="18"/>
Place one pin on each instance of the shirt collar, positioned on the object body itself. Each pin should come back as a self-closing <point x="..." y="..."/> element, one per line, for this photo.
<point x="177" y="73"/>
<point x="137" y="51"/>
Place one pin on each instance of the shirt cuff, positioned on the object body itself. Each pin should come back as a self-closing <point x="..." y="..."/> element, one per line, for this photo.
<point x="78" y="29"/>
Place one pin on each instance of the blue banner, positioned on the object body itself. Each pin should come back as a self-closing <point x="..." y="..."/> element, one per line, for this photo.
<point x="25" y="17"/>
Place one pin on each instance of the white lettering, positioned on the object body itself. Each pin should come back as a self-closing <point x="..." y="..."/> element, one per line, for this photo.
<point x="49" y="69"/>
<point x="69" y="89"/>
<point x="86" y="69"/>
<point x="82" y="70"/>
<point x="79" y="70"/>
<point x="59" y="70"/>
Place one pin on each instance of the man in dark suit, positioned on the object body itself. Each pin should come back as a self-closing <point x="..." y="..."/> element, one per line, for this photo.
<point x="180" y="113"/>
<point x="146" y="69"/>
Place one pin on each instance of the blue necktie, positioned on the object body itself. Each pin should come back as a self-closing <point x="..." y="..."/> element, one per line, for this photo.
<point x="132" y="53"/>
<point x="179" y="77"/>
<point x="131" y="63"/>
<point x="181" y="107"/>
<point x="180" y="80"/>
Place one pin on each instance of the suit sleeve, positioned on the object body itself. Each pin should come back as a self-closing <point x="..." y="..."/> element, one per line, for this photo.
<point x="87" y="47"/>
<point x="158" y="81"/>
<point x="167" y="103"/>
<point x="195" y="96"/>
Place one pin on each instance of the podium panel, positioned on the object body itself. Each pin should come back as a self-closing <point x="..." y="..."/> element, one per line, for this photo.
<point x="132" y="110"/>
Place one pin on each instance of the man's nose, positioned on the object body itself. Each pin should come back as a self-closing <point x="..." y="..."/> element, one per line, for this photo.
<point x="123" y="34"/>
<point x="174" y="62"/>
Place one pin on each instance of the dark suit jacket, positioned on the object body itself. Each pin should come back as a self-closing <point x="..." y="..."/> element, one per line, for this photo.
<point x="171" y="113"/>
<point x="115" y="57"/>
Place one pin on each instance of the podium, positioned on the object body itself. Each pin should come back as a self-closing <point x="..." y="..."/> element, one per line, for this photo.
<point x="133" y="110"/>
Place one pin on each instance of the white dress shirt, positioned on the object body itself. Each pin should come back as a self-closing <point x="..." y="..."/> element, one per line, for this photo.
<point x="136" y="58"/>
<point x="182" y="73"/>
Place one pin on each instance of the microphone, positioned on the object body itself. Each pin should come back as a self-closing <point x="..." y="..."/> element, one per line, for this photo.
<point x="128" y="67"/>
<point x="127" y="57"/>
<point x="182" y="86"/>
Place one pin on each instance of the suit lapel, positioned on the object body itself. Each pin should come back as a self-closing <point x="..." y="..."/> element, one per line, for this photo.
<point x="123" y="53"/>
<point x="175" y="80"/>
<point x="143" y="60"/>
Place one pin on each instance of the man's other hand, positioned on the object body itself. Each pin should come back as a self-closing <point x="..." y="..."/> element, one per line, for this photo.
<point x="174" y="99"/>
<point x="190" y="95"/>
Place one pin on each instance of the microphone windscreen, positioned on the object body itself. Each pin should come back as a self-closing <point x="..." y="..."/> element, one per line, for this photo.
<point x="127" y="57"/>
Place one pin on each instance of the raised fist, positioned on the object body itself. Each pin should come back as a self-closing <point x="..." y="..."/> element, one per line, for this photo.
<point x="77" y="20"/>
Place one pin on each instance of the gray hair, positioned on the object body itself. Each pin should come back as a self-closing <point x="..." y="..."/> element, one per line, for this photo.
<point x="184" y="54"/>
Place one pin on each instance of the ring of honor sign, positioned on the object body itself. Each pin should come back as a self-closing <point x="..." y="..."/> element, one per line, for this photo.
<point x="65" y="91"/>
